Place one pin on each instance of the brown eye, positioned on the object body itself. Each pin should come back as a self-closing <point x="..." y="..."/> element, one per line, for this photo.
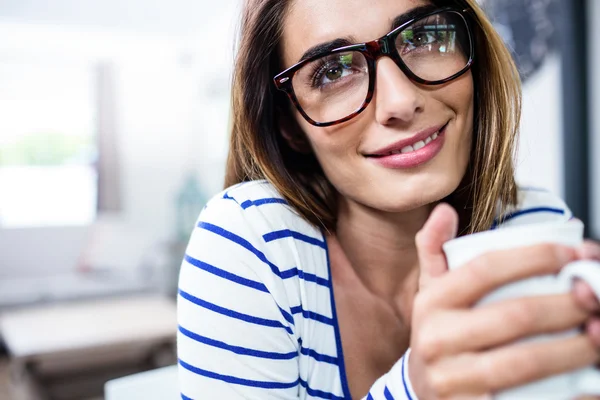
<point x="334" y="73"/>
<point x="423" y="38"/>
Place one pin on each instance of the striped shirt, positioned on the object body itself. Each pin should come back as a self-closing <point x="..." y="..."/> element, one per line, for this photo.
<point x="256" y="311"/>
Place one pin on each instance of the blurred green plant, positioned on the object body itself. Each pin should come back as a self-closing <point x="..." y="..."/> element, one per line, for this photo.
<point x="46" y="149"/>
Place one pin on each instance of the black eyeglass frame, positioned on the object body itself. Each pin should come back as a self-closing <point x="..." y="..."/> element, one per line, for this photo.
<point x="372" y="51"/>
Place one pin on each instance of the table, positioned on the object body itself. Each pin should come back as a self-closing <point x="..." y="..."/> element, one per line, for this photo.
<point x="158" y="384"/>
<point x="63" y="351"/>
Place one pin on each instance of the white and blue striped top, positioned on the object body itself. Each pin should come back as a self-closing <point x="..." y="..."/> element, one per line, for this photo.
<point x="257" y="317"/>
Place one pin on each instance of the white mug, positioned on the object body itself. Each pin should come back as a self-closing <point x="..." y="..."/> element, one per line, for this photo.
<point x="459" y="251"/>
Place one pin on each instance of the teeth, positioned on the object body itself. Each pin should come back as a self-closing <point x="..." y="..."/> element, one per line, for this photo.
<point x="419" y="145"/>
<point x="416" y="146"/>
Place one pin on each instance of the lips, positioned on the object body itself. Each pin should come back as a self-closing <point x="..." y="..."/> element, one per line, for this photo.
<point x="412" y="144"/>
<point x="415" y="146"/>
<point x="411" y="152"/>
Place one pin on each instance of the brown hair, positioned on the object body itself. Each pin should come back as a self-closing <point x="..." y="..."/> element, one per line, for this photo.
<point x="258" y="149"/>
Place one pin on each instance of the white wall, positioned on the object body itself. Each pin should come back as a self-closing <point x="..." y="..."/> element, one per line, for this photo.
<point x="540" y="159"/>
<point x="172" y="114"/>
<point x="167" y="127"/>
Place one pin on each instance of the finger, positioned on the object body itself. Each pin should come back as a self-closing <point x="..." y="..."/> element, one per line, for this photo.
<point x="440" y="227"/>
<point x="511" y="366"/>
<point x="468" y="284"/>
<point x="593" y="331"/>
<point x="585" y="296"/>
<point x="583" y="293"/>
<point x="589" y="250"/>
<point x="496" y="324"/>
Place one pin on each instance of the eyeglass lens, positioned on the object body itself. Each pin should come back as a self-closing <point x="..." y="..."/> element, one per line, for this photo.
<point x="336" y="85"/>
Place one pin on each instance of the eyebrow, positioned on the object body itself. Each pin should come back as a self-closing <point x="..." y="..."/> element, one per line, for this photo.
<point x="349" y="40"/>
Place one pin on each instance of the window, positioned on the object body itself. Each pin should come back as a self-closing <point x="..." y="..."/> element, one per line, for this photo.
<point x="48" y="149"/>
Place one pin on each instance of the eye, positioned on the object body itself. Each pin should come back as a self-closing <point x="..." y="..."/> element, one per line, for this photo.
<point x="334" y="73"/>
<point x="423" y="38"/>
<point x="334" y="68"/>
<point x="418" y="38"/>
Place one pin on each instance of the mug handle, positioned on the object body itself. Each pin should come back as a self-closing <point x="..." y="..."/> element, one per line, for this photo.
<point x="588" y="380"/>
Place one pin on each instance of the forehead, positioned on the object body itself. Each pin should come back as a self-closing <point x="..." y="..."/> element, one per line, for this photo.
<point x="311" y="22"/>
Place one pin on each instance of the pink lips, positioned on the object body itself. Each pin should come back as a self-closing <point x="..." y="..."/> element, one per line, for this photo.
<point x="413" y="158"/>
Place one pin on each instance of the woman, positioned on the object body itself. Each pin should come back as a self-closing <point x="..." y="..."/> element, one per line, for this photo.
<point x="313" y="274"/>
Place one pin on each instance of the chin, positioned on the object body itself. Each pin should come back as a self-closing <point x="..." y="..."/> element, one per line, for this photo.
<point x="399" y="197"/>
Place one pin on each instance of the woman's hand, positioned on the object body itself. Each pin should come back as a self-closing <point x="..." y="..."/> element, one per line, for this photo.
<point x="583" y="293"/>
<point x="459" y="351"/>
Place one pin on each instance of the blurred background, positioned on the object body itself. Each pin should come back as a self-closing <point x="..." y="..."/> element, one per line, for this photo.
<point x="113" y="134"/>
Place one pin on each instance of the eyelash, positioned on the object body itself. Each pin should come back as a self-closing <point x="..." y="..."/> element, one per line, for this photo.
<point x="317" y="72"/>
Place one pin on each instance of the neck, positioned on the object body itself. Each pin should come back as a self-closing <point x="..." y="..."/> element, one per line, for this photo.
<point x="380" y="248"/>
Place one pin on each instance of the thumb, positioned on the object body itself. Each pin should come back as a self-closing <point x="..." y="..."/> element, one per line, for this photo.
<point x="440" y="227"/>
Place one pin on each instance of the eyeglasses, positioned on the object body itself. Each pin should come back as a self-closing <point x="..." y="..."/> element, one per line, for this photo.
<point x="333" y="87"/>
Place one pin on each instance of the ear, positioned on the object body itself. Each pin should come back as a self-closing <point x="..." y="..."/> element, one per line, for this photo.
<point x="293" y="135"/>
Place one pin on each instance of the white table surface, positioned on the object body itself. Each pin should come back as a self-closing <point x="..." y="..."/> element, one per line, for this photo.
<point x="78" y="326"/>
<point x="158" y="384"/>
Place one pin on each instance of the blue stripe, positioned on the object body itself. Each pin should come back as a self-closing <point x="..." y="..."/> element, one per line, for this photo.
<point x="238" y="381"/>
<point x="369" y="397"/>
<point x="318" y="356"/>
<point x="234" y="314"/>
<point x="312" y="315"/>
<point x="518" y="213"/>
<point x="290" y="273"/>
<point x="387" y="394"/>
<point x="238" y="349"/>
<point x="296" y="310"/>
<point x="226" y="196"/>
<point x="336" y="328"/>
<point x="406" y="391"/>
<point x="241" y="241"/>
<point x="285" y="233"/>
<point x="313" y="278"/>
<point x="226" y="275"/>
<point x="248" y="246"/>
<point x="273" y="200"/>
<point x="320" y="393"/>
<point x="288" y="317"/>
<point x="184" y="397"/>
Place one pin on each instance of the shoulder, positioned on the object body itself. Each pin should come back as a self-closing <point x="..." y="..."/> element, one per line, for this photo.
<point x="250" y="194"/>
<point x="252" y="204"/>
<point x="535" y="205"/>
<point x="253" y="219"/>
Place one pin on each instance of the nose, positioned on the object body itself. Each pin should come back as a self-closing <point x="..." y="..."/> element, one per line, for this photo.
<point x="397" y="98"/>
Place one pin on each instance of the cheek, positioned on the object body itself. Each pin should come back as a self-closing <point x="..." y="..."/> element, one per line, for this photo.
<point x="331" y="144"/>
<point x="459" y="97"/>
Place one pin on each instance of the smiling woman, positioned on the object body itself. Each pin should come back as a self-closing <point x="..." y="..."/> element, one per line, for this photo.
<point x="319" y="271"/>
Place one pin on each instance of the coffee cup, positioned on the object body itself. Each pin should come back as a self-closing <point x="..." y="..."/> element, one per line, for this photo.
<point x="460" y="251"/>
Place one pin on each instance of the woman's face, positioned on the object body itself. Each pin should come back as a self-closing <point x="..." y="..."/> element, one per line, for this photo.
<point x="356" y="155"/>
